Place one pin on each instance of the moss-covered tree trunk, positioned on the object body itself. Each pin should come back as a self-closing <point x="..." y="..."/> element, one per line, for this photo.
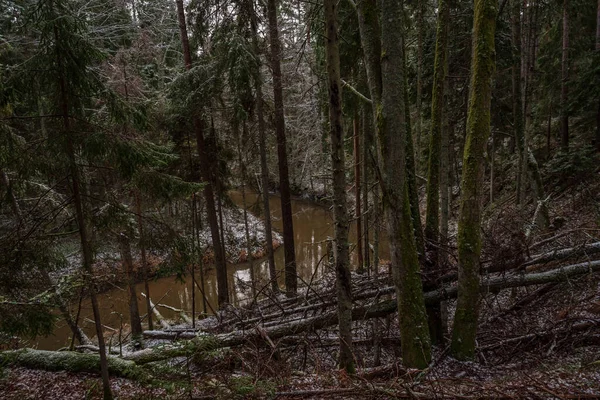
<point x="206" y="164"/>
<point x="384" y="58"/>
<point x="432" y="220"/>
<point x="340" y="211"/>
<point x="291" y="281"/>
<point x="478" y="129"/>
<point x="392" y="133"/>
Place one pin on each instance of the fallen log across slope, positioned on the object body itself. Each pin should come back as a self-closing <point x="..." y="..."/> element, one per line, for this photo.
<point x="561" y="254"/>
<point x="72" y="362"/>
<point x="383" y="308"/>
<point x="203" y="342"/>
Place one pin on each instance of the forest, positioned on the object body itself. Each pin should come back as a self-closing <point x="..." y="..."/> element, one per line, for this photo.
<point x="299" y="199"/>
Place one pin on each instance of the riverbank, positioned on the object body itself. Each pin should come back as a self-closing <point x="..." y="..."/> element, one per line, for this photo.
<point x="109" y="270"/>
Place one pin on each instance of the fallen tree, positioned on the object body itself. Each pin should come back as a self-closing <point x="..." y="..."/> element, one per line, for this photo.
<point x="72" y="362"/>
<point x="206" y="342"/>
<point x="380" y="309"/>
<point x="561" y="254"/>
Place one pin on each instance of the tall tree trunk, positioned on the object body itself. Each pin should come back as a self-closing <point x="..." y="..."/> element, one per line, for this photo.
<point x="365" y="125"/>
<point x="264" y="169"/>
<point x="246" y="227"/>
<point x="198" y="227"/>
<point x="414" y="334"/>
<point x="420" y="12"/>
<point x="598" y="27"/>
<point x="205" y="168"/>
<point x="517" y="94"/>
<point x="134" y="312"/>
<point x="432" y="221"/>
<point x="291" y="281"/>
<point x="340" y="211"/>
<point x="564" y="90"/>
<point x="411" y="179"/>
<point x="144" y="266"/>
<point x="597" y="55"/>
<point x="478" y="130"/>
<point x="445" y="195"/>
<point x="82" y="222"/>
<point x="386" y="80"/>
<point x="357" y="192"/>
<point x="528" y="169"/>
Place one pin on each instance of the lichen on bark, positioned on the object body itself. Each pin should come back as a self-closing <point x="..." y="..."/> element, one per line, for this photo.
<point x="478" y="130"/>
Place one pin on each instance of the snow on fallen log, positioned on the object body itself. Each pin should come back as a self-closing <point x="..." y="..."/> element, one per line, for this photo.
<point x="381" y="309"/>
<point x="561" y="254"/>
<point x="128" y="366"/>
<point x="72" y="362"/>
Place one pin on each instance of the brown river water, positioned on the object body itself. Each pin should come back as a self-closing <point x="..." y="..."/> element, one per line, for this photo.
<point x="313" y="224"/>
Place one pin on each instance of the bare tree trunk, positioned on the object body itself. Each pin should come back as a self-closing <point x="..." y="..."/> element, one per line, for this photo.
<point x="478" y="129"/>
<point x="291" y="282"/>
<point x="264" y="169"/>
<point x="144" y="266"/>
<point x="411" y="180"/>
<point x="598" y="52"/>
<point x="445" y="194"/>
<point x="564" y="91"/>
<point x="517" y="94"/>
<point x="357" y="191"/>
<point x="432" y="222"/>
<point x="598" y="28"/>
<point x="340" y="211"/>
<point x="134" y="312"/>
<point x="81" y="218"/>
<point x="246" y="227"/>
<point x="197" y="227"/>
<point x="205" y="169"/>
<point x="420" y="7"/>
<point x="365" y="121"/>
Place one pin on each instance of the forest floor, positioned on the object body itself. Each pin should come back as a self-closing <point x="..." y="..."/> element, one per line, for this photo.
<point x="538" y="341"/>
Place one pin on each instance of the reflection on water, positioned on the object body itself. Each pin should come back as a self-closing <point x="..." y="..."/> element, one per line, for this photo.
<point x="313" y="225"/>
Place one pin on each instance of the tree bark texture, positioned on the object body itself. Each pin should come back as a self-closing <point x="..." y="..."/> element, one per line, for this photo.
<point x="564" y="90"/>
<point x="144" y="266"/>
<point x="517" y="93"/>
<point x="357" y="192"/>
<point x="81" y="216"/>
<point x="134" y="312"/>
<point x="392" y="135"/>
<point x="264" y="169"/>
<point x="291" y="281"/>
<point x="432" y="220"/>
<point x="205" y="168"/>
<point x="340" y="211"/>
<point x="478" y="130"/>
